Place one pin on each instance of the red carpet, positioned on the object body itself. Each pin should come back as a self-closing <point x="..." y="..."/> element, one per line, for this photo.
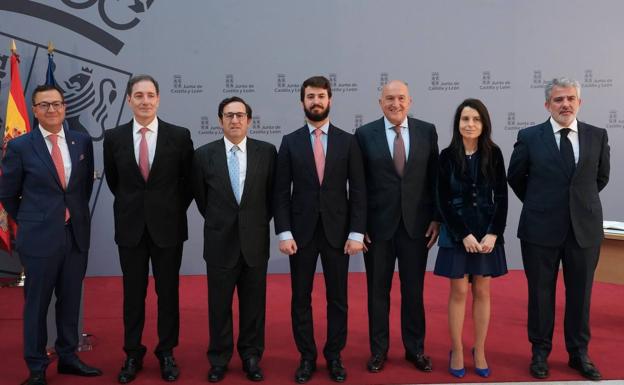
<point x="508" y="348"/>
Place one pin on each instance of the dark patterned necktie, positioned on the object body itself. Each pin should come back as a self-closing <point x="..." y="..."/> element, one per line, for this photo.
<point x="399" y="152"/>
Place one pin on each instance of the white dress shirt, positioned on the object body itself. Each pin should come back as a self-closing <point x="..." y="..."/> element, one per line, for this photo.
<point x="62" y="143"/>
<point x="150" y="136"/>
<point x="572" y="135"/>
<point x="391" y="135"/>
<point x="242" y="160"/>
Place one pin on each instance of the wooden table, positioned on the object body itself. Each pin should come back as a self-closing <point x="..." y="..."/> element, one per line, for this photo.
<point x="611" y="263"/>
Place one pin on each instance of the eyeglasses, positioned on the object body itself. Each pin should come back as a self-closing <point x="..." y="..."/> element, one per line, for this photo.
<point x="231" y="115"/>
<point x="45" y="106"/>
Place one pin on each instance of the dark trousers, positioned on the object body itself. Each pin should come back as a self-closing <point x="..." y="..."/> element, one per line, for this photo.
<point x="379" y="261"/>
<point x="335" y="271"/>
<point x="541" y="267"/>
<point x="165" y="269"/>
<point x="250" y="284"/>
<point x="62" y="274"/>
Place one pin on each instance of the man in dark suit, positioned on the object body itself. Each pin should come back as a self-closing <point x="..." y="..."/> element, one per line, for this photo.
<point x="320" y="207"/>
<point x="400" y="158"/>
<point x="45" y="185"/>
<point x="233" y="185"/>
<point x="557" y="169"/>
<point x="147" y="163"/>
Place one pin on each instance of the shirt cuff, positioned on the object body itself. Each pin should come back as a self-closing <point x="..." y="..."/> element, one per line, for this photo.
<point x="359" y="237"/>
<point x="285" y="236"/>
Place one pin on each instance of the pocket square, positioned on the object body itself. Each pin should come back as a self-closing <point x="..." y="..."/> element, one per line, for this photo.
<point x="81" y="157"/>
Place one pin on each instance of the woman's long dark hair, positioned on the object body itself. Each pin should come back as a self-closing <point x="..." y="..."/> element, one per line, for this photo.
<point x="484" y="143"/>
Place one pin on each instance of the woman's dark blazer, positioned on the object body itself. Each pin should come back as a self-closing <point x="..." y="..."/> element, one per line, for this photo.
<point x="471" y="207"/>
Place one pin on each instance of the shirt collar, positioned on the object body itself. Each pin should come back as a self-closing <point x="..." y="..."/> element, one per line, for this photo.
<point x="46" y="133"/>
<point x="241" y="146"/>
<point x="153" y="126"/>
<point x="557" y="127"/>
<point x="390" y="126"/>
<point x="324" y="128"/>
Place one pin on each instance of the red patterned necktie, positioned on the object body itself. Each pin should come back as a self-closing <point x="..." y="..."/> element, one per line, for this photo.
<point x="57" y="158"/>
<point x="144" y="154"/>
<point x="319" y="154"/>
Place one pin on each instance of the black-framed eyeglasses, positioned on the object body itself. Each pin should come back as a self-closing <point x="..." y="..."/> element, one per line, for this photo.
<point x="231" y="115"/>
<point x="45" y="106"/>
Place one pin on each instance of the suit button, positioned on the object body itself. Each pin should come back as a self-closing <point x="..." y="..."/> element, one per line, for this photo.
<point x="474" y="204"/>
<point x="474" y="185"/>
<point x="474" y="194"/>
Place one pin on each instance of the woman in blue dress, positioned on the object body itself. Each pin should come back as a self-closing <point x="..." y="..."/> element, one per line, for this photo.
<point x="472" y="199"/>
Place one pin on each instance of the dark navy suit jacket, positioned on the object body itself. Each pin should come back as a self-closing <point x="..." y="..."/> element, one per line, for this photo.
<point x="33" y="196"/>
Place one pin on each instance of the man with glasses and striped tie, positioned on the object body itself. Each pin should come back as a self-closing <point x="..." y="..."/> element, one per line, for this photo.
<point x="232" y="184"/>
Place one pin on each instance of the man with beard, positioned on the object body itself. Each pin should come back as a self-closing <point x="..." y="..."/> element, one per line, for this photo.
<point x="320" y="207"/>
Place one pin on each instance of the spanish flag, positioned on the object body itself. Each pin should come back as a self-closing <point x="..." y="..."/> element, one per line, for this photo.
<point x="16" y="124"/>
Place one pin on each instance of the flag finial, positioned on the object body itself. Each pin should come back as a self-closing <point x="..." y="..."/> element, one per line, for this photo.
<point x="13" y="46"/>
<point x="50" y="47"/>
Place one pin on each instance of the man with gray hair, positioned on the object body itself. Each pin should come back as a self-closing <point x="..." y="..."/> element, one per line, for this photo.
<point x="557" y="169"/>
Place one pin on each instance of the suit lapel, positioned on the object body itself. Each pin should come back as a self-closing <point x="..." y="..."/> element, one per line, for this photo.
<point x="221" y="166"/>
<point x="73" y="154"/>
<point x="413" y="140"/>
<point x="127" y="146"/>
<point x="584" y="144"/>
<point x="304" y="145"/>
<point x="162" y="140"/>
<point x="333" y="149"/>
<point x="381" y="141"/>
<point x="548" y="138"/>
<point x="252" y="166"/>
<point x="40" y="148"/>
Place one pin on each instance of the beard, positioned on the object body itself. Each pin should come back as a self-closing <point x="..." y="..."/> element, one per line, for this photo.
<point x="316" y="117"/>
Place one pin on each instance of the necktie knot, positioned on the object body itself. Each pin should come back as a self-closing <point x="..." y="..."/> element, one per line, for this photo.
<point x="564" y="132"/>
<point x="234" y="149"/>
<point x="143" y="130"/>
<point x="53" y="138"/>
<point x="318" y="132"/>
<point x="397" y="129"/>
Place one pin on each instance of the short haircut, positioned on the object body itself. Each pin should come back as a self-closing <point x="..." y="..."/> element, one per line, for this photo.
<point x="47" y="87"/>
<point x="316" y="82"/>
<point x="234" y="99"/>
<point x="140" y="78"/>
<point x="564" y="83"/>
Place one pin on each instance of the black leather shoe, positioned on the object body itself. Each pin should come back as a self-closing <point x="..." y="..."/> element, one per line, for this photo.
<point x="304" y="371"/>
<point x="419" y="360"/>
<point x="168" y="369"/>
<point x="337" y="371"/>
<point x="78" y="368"/>
<point x="250" y="366"/>
<point x="376" y="363"/>
<point x="216" y="373"/>
<point x="129" y="370"/>
<point x="538" y="367"/>
<point x="35" y="378"/>
<point x="585" y="366"/>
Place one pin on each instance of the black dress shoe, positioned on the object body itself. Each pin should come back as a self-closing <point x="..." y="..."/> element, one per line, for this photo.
<point x="538" y="367"/>
<point x="584" y="366"/>
<point x="168" y="369"/>
<point x="419" y="360"/>
<point x="304" y="371"/>
<point x="251" y="368"/>
<point x="216" y="373"/>
<point x="337" y="371"/>
<point x="35" y="378"/>
<point x="376" y="363"/>
<point x="129" y="370"/>
<point x="78" y="368"/>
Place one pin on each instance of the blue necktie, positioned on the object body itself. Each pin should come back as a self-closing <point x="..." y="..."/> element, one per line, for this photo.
<point x="234" y="170"/>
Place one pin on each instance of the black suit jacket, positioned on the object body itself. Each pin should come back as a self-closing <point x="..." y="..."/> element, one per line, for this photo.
<point x="231" y="229"/>
<point x="340" y="202"/>
<point x="33" y="196"/>
<point x="552" y="198"/>
<point x="390" y="197"/>
<point x="158" y="205"/>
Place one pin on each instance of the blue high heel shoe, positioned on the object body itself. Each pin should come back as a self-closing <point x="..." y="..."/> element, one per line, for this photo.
<point x="459" y="373"/>
<point x="483" y="372"/>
